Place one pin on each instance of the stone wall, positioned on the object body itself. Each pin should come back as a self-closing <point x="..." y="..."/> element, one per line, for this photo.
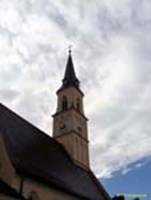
<point x="40" y="191"/>
<point x="6" y="169"/>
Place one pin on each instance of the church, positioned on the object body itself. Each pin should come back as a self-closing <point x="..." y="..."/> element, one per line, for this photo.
<point x="36" y="166"/>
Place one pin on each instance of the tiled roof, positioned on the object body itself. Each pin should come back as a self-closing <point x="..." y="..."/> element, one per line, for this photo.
<point x="39" y="156"/>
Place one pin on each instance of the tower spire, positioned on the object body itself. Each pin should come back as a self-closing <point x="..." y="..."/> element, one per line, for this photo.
<point x="70" y="123"/>
<point x="70" y="78"/>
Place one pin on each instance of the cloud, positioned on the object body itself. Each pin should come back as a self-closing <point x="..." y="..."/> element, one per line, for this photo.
<point x="111" y="51"/>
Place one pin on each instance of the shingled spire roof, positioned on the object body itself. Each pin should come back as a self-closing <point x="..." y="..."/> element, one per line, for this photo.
<point x="70" y="78"/>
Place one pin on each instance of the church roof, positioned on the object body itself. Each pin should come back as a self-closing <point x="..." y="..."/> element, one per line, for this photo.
<point x="37" y="155"/>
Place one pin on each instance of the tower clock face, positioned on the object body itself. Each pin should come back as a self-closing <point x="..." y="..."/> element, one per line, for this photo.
<point x="62" y="125"/>
<point x="80" y="121"/>
<point x="79" y="128"/>
<point x="63" y="122"/>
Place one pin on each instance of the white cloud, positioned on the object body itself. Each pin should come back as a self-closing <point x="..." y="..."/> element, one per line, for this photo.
<point x="111" y="50"/>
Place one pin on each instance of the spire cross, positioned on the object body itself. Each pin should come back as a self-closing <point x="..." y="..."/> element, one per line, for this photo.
<point x="70" y="47"/>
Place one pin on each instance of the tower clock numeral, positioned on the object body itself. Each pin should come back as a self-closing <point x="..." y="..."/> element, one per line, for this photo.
<point x="79" y="128"/>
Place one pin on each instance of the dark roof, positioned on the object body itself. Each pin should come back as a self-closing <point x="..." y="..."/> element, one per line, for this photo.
<point x="8" y="191"/>
<point x="70" y="78"/>
<point x="39" y="156"/>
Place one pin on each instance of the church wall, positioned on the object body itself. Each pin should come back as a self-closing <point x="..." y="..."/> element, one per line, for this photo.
<point x="42" y="191"/>
<point x="79" y="121"/>
<point x="73" y="122"/>
<point x="73" y="135"/>
<point x="6" y="169"/>
<point x="67" y="142"/>
<point x="64" y="118"/>
<point x="4" y="197"/>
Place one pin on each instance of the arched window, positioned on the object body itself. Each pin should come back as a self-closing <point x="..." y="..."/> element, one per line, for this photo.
<point x="78" y="104"/>
<point x="64" y="103"/>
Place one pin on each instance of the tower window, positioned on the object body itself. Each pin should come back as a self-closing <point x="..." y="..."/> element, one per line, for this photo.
<point x="78" y="104"/>
<point x="64" y="103"/>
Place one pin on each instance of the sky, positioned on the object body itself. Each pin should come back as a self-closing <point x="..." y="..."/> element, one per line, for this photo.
<point x="111" y="48"/>
<point x="135" y="183"/>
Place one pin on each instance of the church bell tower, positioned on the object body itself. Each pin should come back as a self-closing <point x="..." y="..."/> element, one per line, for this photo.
<point x="69" y="121"/>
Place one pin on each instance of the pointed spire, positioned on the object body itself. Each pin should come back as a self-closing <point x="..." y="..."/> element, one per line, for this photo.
<point x="70" y="78"/>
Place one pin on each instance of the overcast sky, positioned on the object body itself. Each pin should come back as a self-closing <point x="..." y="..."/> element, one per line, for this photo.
<point x="112" y="55"/>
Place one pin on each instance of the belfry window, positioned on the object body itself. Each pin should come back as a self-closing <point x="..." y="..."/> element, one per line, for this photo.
<point x="64" y="103"/>
<point x="78" y="104"/>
